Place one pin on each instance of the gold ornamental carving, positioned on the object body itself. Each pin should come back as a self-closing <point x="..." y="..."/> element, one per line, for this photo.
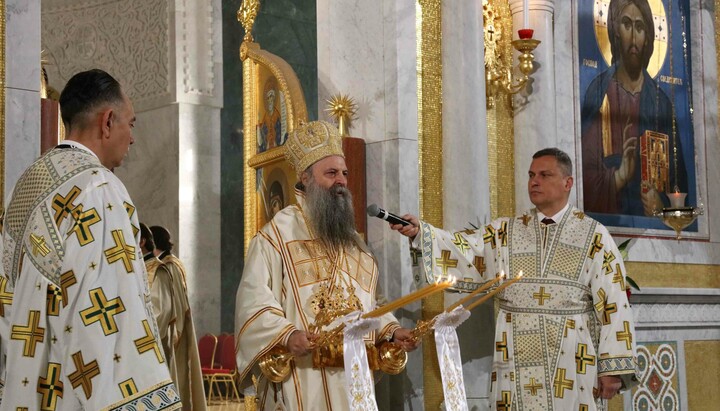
<point x="342" y="108"/>
<point x="246" y="16"/>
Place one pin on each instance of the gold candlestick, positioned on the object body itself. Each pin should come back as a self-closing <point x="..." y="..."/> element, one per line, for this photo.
<point x="495" y="291"/>
<point x="476" y="292"/>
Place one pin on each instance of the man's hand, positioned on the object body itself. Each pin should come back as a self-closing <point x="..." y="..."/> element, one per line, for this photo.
<point x="608" y="386"/>
<point x="404" y="338"/>
<point x="625" y="172"/>
<point x="301" y="343"/>
<point x="651" y="202"/>
<point x="409" y="231"/>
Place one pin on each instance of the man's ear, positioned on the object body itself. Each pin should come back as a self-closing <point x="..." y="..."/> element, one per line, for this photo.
<point x="106" y="122"/>
<point x="305" y="178"/>
<point x="569" y="183"/>
<point x="142" y="243"/>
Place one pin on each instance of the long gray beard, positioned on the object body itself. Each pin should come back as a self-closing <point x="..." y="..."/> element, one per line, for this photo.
<point x="331" y="214"/>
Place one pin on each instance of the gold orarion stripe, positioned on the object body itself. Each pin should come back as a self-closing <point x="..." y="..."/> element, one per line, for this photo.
<point x="429" y="90"/>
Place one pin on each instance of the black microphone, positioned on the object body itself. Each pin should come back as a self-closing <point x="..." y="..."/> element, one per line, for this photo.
<point x="374" y="211"/>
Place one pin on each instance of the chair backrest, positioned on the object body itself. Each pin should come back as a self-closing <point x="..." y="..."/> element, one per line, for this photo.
<point x="220" y="344"/>
<point x="227" y="355"/>
<point x="207" y="346"/>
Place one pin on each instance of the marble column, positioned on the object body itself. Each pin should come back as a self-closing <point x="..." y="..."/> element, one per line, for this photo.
<point x="535" y="125"/>
<point x="465" y="173"/>
<point x="169" y="61"/>
<point x="22" y="88"/>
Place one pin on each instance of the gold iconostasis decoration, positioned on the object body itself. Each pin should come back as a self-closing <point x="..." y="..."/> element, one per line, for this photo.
<point x="273" y="106"/>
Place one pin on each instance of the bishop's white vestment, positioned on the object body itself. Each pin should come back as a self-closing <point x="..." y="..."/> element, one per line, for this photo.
<point x="289" y="278"/>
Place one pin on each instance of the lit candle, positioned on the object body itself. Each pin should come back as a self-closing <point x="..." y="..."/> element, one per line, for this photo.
<point x="677" y="199"/>
<point x="476" y="292"/>
<point x="526" y="15"/>
<point x="495" y="291"/>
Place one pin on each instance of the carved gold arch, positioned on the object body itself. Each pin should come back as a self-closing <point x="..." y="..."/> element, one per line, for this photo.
<point x="260" y="67"/>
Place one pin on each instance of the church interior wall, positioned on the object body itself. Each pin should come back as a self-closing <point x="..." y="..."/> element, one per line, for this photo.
<point x="22" y="88"/>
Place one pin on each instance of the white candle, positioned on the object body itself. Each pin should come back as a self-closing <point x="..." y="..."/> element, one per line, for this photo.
<point x="677" y="200"/>
<point x="526" y="15"/>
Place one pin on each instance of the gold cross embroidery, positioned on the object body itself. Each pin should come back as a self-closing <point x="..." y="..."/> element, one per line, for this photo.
<point x="525" y="219"/>
<point x="130" y="209"/>
<point x="50" y="387"/>
<point x="461" y="243"/>
<point x="479" y="263"/>
<point x="121" y="251"/>
<point x="541" y="296"/>
<point x="570" y="324"/>
<point x="596" y="245"/>
<point x="38" y="245"/>
<point x="604" y="308"/>
<point x="83" y="221"/>
<point x="6" y="297"/>
<point x="67" y="279"/>
<point x="415" y="254"/>
<point x="618" y="277"/>
<point x="583" y="359"/>
<point x="607" y="259"/>
<point x="489" y="236"/>
<point x="533" y="386"/>
<point x="31" y="334"/>
<point x="64" y="205"/>
<point x="501" y="346"/>
<point x="103" y="311"/>
<point x="502" y="234"/>
<point x="579" y="214"/>
<point x="505" y="402"/>
<point x="84" y="373"/>
<point x="54" y="297"/>
<point x="148" y="343"/>
<point x="625" y="335"/>
<point x="445" y="262"/>
<point x="561" y="384"/>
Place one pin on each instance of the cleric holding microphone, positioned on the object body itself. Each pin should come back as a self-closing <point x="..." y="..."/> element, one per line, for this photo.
<point x="566" y="329"/>
<point x="307" y="264"/>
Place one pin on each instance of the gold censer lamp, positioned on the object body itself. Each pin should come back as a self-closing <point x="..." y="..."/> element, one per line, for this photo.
<point x="677" y="216"/>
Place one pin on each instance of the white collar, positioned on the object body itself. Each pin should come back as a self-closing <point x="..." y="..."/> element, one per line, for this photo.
<point x="557" y="217"/>
<point x="75" y="144"/>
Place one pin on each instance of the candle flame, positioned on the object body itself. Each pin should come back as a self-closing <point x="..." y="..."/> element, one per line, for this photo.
<point x="520" y="274"/>
<point x="502" y="274"/>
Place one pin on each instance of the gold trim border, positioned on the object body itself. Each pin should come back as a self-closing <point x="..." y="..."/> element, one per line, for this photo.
<point x="428" y="27"/>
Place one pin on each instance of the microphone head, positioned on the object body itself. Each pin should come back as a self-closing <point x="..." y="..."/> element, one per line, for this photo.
<point x="373" y="210"/>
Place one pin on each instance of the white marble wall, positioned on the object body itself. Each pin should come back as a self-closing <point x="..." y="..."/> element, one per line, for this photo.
<point x="22" y="88"/>
<point x="535" y="107"/>
<point x="170" y="64"/>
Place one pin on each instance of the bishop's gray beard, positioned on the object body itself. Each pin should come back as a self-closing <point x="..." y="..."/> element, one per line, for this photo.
<point x="331" y="214"/>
